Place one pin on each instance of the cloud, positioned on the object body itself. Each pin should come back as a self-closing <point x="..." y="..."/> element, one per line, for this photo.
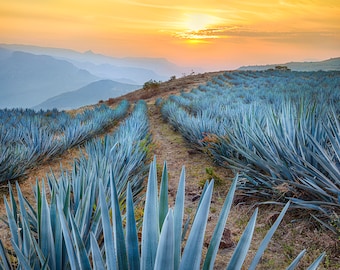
<point x="237" y="31"/>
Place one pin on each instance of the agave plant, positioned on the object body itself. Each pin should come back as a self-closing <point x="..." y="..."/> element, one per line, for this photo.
<point x="29" y="137"/>
<point x="286" y="148"/>
<point x="113" y="243"/>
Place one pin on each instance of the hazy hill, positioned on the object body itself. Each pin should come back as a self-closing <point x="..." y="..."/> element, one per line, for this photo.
<point x="4" y="53"/>
<point x="27" y="79"/>
<point x="330" y="64"/>
<point x="132" y="75"/>
<point x="122" y="69"/>
<point x="89" y="94"/>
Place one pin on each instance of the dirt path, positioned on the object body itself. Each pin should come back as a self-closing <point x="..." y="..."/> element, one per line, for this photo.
<point x="170" y="146"/>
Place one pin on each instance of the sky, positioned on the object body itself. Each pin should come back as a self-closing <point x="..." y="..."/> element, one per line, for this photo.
<point x="211" y="34"/>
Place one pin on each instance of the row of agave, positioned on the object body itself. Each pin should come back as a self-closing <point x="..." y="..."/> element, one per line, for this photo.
<point x="38" y="231"/>
<point x="285" y="150"/>
<point x="28" y="137"/>
<point x="102" y="236"/>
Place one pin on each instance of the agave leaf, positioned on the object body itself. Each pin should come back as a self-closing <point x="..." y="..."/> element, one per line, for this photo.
<point x="24" y="263"/>
<point x="185" y="228"/>
<point x="150" y="229"/>
<point x="165" y="251"/>
<point x="316" y="263"/>
<point x="26" y="247"/>
<point x="118" y="227"/>
<point x="4" y="261"/>
<point x="46" y="239"/>
<point x="110" y="252"/>
<point x="326" y="225"/>
<point x="26" y="236"/>
<point x="12" y="224"/>
<point x="298" y="258"/>
<point x="178" y="217"/>
<point x="131" y="232"/>
<point x="98" y="263"/>
<point x="67" y="199"/>
<point x="58" y="235"/>
<point x="79" y="246"/>
<point x="163" y="197"/>
<point x="45" y="265"/>
<point x="84" y="208"/>
<point x="202" y="195"/>
<point x="12" y="200"/>
<point x="41" y="257"/>
<point x="267" y="238"/>
<point x="217" y="235"/>
<point x="67" y="238"/>
<point x="242" y="247"/>
<point x="21" y="200"/>
<point x="193" y="248"/>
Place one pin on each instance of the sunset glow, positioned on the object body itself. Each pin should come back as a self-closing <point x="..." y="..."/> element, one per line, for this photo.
<point x="210" y="34"/>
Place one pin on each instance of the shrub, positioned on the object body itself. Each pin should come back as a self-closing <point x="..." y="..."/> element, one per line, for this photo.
<point x="151" y="84"/>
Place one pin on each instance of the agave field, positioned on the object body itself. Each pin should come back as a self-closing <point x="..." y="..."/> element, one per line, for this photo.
<point x="28" y="137"/>
<point x="279" y="130"/>
<point x="56" y="231"/>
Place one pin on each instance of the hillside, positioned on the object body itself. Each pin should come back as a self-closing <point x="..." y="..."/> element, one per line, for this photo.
<point x="169" y="145"/>
<point x="329" y="64"/>
<point x="87" y="95"/>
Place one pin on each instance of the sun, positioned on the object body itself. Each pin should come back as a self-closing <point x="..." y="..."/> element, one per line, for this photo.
<point x="199" y="28"/>
<point x="197" y="21"/>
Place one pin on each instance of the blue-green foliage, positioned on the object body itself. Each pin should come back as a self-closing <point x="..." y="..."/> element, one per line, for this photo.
<point x="97" y="235"/>
<point x="28" y="137"/>
<point x="279" y="129"/>
<point x="67" y="219"/>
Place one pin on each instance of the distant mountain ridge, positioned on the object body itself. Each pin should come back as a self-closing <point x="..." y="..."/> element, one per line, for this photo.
<point x="148" y="68"/>
<point x="87" y="95"/>
<point x="32" y="75"/>
<point x="326" y="65"/>
<point x="27" y="79"/>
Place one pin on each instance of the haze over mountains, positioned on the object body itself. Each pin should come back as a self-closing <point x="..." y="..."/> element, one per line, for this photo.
<point x="30" y="76"/>
<point x="46" y="78"/>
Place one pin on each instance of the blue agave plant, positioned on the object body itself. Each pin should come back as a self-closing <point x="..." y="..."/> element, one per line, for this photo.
<point x="113" y="242"/>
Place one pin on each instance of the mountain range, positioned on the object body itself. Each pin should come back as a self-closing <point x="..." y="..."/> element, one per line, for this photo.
<point x="33" y="77"/>
<point x="27" y="80"/>
<point x="326" y="65"/>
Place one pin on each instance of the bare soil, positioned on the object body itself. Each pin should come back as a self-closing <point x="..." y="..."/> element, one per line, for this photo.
<point x="293" y="235"/>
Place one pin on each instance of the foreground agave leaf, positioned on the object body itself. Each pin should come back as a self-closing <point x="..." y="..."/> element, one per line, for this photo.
<point x="114" y="249"/>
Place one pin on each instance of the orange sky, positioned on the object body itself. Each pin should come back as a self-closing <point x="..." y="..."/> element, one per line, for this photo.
<point x="213" y="34"/>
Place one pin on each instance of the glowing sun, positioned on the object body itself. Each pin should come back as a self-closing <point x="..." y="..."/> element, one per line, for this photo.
<point x="197" y="21"/>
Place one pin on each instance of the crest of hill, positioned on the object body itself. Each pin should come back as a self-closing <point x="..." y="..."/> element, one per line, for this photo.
<point x="326" y="65"/>
<point x="164" y="89"/>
